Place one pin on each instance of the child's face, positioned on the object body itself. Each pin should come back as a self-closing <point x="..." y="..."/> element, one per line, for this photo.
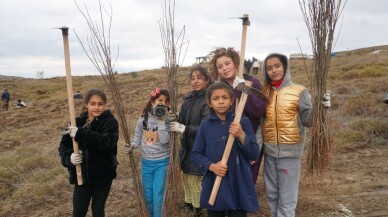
<point x="95" y="106"/>
<point x="220" y="101"/>
<point x="274" y="69"/>
<point x="198" y="81"/>
<point x="226" y="68"/>
<point x="162" y="99"/>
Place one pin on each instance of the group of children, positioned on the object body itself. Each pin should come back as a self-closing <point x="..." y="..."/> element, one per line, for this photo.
<point x="275" y="127"/>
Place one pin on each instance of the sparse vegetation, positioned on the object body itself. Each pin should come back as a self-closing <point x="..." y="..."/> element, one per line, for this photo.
<point x="33" y="182"/>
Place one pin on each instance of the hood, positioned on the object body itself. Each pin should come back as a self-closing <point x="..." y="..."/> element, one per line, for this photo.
<point x="287" y="73"/>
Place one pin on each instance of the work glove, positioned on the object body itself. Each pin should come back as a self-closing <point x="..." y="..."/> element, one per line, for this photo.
<point x="70" y="130"/>
<point x="128" y="148"/>
<point x="237" y="80"/>
<point x="326" y="100"/>
<point x="76" y="158"/>
<point x="177" y="127"/>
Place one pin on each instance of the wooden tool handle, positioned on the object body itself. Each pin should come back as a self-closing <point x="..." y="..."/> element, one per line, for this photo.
<point x="70" y="99"/>
<point x="229" y="143"/>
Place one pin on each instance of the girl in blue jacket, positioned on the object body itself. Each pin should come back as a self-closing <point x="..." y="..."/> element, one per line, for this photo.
<point x="236" y="195"/>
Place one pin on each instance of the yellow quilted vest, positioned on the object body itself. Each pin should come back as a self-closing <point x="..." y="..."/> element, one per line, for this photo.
<point x="281" y="117"/>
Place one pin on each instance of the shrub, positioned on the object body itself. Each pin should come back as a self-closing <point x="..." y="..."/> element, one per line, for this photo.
<point x="371" y="130"/>
<point x="361" y="105"/>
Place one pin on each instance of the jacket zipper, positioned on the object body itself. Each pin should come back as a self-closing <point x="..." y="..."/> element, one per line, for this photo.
<point x="276" y="121"/>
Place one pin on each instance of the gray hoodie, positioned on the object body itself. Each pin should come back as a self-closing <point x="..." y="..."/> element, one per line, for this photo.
<point x="304" y="116"/>
<point x="153" y="138"/>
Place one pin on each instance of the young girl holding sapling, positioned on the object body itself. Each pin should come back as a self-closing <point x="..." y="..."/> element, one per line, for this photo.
<point x="236" y="195"/>
<point x="152" y="135"/>
<point x="193" y="110"/>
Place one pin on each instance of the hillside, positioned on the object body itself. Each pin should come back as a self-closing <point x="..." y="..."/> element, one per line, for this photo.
<point x="33" y="182"/>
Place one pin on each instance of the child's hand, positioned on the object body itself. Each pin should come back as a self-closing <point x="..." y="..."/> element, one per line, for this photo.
<point x="236" y="130"/>
<point x="218" y="169"/>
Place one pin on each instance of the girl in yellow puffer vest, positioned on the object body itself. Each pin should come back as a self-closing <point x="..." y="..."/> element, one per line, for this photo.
<point x="287" y="114"/>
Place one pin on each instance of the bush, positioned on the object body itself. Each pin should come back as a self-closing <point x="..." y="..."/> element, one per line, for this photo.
<point x="361" y="105"/>
<point x="373" y="131"/>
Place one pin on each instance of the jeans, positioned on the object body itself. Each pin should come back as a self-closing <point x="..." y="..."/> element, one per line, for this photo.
<point x="153" y="175"/>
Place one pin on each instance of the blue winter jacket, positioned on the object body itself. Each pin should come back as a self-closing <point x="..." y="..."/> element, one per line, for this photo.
<point x="237" y="190"/>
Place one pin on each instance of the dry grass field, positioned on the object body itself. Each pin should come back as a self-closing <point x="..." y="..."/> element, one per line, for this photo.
<point x="33" y="182"/>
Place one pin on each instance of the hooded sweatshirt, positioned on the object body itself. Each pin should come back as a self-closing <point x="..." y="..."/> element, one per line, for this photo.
<point x="304" y="107"/>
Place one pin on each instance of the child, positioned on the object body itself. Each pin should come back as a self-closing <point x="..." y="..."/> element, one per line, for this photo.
<point x="96" y="133"/>
<point x="193" y="110"/>
<point x="152" y="135"/>
<point x="226" y="63"/>
<point x="20" y="104"/>
<point x="283" y="129"/>
<point x="236" y="195"/>
<point x="5" y="97"/>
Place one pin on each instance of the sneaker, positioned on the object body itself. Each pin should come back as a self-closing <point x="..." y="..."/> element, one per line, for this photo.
<point x="188" y="206"/>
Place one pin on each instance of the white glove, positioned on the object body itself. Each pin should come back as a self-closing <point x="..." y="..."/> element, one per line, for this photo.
<point x="76" y="158"/>
<point x="237" y="80"/>
<point x="128" y="148"/>
<point x="177" y="127"/>
<point x="70" y="130"/>
<point x="326" y="100"/>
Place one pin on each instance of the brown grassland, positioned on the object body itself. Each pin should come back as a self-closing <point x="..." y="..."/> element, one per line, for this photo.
<point x="33" y="182"/>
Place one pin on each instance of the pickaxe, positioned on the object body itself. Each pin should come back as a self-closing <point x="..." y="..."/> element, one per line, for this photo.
<point x="246" y="89"/>
<point x="69" y="84"/>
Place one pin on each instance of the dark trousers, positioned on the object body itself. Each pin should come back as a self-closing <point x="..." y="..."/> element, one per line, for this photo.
<point x="5" y="105"/>
<point x="231" y="213"/>
<point x="97" y="193"/>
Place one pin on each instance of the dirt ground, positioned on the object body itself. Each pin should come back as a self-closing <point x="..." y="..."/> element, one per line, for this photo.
<point x="356" y="186"/>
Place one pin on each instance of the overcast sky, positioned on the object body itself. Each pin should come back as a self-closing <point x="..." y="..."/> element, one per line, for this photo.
<point x="28" y="44"/>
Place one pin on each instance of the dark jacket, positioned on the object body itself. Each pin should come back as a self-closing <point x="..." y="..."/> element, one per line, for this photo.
<point x="193" y="110"/>
<point x="98" y="144"/>
<point x="5" y="96"/>
<point x="255" y="106"/>
<point x="237" y="190"/>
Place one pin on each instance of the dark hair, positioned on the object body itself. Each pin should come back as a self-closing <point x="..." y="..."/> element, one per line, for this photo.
<point x="282" y="59"/>
<point x="92" y="92"/>
<point x="218" y="86"/>
<point x="267" y="82"/>
<point x="220" y="52"/>
<point x="201" y="69"/>
<point x="154" y="95"/>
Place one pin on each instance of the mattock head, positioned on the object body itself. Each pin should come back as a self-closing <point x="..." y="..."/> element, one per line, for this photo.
<point x="248" y="89"/>
<point x="245" y="19"/>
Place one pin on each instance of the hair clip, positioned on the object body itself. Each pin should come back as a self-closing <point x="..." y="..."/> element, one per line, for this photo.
<point x="155" y="92"/>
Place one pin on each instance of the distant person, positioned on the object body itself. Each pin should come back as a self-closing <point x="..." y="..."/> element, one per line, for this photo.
<point x="20" y="104"/>
<point x="247" y="66"/>
<point x="194" y="108"/>
<point x="96" y="132"/>
<point x="283" y="131"/>
<point x="236" y="195"/>
<point x="78" y="95"/>
<point x="225" y="62"/>
<point x="152" y="136"/>
<point x="5" y="97"/>
<point x="256" y="66"/>
<point x="386" y="98"/>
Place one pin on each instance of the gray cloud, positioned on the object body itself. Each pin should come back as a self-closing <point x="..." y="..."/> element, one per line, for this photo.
<point x="29" y="44"/>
